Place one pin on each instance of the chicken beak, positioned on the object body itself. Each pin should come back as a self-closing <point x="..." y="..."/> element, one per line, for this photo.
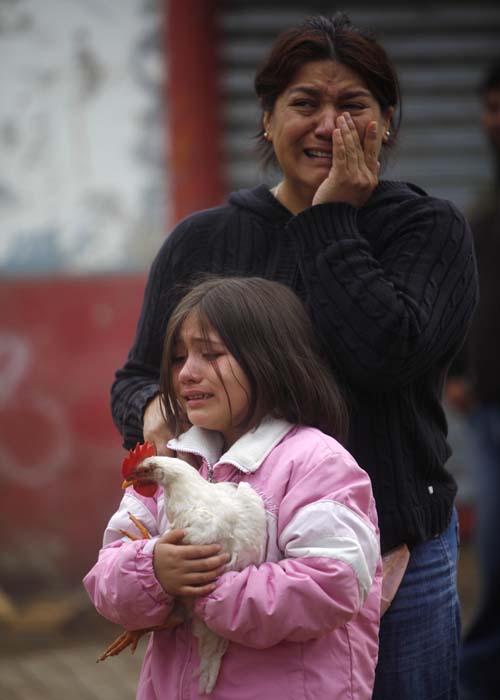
<point x="137" y="479"/>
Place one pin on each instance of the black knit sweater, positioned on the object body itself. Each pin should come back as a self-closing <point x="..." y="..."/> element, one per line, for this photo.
<point x="390" y="287"/>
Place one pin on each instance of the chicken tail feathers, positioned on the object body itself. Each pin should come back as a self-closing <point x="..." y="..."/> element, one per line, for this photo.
<point x="211" y="649"/>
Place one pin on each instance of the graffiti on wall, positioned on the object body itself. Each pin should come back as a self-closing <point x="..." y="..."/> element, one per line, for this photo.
<point x="61" y="341"/>
<point x="15" y="366"/>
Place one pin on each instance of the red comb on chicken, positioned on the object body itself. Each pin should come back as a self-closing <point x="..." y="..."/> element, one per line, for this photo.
<point x="146" y="487"/>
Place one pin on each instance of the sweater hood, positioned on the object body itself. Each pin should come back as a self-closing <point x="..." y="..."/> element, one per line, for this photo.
<point x="262" y="202"/>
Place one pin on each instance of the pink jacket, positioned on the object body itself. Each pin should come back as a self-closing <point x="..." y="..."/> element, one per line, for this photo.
<point x="304" y="624"/>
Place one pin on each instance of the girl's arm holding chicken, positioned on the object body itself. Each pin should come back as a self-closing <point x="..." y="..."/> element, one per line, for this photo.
<point x="135" y="583"/>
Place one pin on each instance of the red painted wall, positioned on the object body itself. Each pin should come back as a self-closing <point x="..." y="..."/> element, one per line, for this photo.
<point x="60" y="454"/>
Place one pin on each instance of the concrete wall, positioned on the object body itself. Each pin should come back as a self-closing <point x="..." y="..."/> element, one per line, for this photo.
<point x="82" y="124"/>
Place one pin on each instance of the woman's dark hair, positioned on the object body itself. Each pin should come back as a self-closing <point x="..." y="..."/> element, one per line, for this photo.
<point x="265" y="326"/>
<point x="327" y="38"/>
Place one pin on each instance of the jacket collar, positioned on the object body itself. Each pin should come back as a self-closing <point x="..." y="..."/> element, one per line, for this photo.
<point x="247" y="453"/>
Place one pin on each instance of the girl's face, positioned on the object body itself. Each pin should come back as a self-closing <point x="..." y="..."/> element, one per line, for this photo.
<point x="301" y="124"/>
<point x="208" y="382"/>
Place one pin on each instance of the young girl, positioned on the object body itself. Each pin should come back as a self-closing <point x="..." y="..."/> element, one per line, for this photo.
<point x="240" y="365"/>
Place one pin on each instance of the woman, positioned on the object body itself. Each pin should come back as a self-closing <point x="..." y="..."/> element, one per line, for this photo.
<point x="389" y="279"/>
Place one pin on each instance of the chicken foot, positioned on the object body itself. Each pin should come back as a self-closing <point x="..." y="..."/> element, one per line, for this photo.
<point x="140" y="526"/>
<point x="130" y="638"/>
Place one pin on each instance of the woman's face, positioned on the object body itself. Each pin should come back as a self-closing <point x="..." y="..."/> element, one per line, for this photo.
<point x="301" y="124"/>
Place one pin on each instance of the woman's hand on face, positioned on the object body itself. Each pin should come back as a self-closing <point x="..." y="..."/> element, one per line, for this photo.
<point x="187" y="570"/>
<point x="355" y="166"/>
<point x="155" y="429"/>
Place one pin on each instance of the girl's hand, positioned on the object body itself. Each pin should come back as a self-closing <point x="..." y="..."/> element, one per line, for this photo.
<point x="155" y="429"/>
<point x="187" y="570"/>
<point x="355" y="167"/>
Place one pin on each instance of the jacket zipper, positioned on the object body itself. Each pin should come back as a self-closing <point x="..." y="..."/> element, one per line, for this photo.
<point x="210" y="469"/>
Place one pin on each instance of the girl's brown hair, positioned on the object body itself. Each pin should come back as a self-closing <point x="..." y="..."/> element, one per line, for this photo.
<point x="321" y="39"/>
<point x="265" y="326"/>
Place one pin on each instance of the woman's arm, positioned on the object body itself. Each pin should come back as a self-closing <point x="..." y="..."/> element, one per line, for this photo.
<point x="136" y="383"/>
<point x="386" y="317"/>
<point x="135" y="389"/>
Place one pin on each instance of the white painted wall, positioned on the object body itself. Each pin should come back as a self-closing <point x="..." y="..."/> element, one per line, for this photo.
<point x="83" y="181"/>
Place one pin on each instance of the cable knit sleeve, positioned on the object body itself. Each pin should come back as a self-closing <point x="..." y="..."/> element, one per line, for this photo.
<point x="389" y="305"/>
<point x="137" y="382"/>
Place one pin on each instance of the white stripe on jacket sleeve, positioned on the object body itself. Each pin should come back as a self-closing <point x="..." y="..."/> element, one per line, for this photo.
<point x="331" y="529"/>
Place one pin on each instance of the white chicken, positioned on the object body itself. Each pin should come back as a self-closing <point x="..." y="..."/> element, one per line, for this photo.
<point x="232" y="515"/>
